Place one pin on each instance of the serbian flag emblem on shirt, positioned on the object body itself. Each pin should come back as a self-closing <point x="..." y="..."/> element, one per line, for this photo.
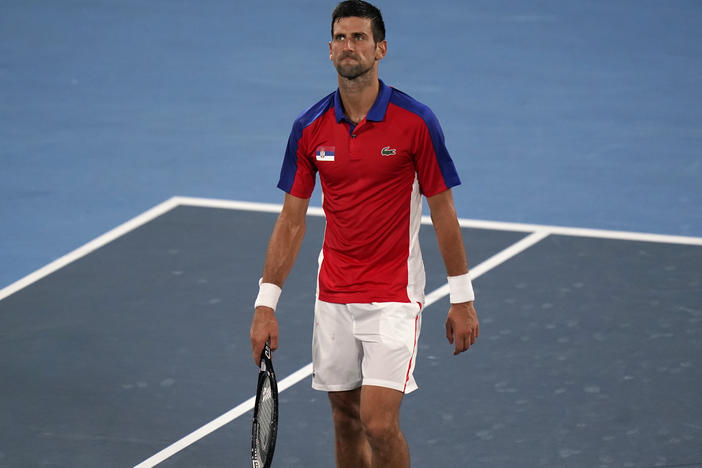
<point x="324" y="153"/>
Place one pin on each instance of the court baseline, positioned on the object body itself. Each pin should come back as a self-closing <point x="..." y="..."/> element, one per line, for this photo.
<point x="176" y="201"/>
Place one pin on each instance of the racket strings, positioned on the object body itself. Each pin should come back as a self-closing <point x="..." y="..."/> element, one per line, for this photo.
<point x="266" y="414"/>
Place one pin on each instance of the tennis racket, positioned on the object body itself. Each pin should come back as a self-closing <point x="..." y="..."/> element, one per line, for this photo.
<point x="265" y="417"/>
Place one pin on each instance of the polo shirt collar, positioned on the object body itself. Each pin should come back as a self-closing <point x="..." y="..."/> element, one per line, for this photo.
<point x="376" y="113"/>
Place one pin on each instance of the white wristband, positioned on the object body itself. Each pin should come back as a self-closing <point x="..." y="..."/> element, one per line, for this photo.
<point x="460" y="289"/>
<point x="268" y="295"/>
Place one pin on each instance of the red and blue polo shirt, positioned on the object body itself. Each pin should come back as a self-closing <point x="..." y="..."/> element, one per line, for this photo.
<point x="373" y="175"/>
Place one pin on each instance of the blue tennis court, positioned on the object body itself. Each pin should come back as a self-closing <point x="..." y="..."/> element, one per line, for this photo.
<point x="124" y="312"/>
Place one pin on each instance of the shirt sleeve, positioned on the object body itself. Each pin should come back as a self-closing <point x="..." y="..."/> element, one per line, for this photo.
<point x="298" y="174"/>
<point x="435" y="169"/>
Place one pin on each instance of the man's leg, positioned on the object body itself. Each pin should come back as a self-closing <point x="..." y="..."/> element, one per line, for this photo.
<point x="380" y="418"/>
<point x="367" y="428"/>
<point x="352" y="448"/>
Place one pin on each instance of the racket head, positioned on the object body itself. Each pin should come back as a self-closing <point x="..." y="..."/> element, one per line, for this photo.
<point x="265" y="418"/>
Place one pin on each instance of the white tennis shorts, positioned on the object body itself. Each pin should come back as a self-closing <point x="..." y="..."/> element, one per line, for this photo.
<point x="365" y="344"/>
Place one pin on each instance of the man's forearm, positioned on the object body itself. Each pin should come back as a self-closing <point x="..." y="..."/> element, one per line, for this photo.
<point x="448" y="234"/>
<point x="282" y="249"/>
<point x="451" y="246"/>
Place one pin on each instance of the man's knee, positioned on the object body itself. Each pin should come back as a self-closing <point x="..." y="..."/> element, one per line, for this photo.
<point x="380" y="414"/>
<point x="379" y="428"/>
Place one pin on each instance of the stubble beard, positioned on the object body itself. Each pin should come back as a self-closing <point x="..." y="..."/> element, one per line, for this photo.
<point x="352" y="72"/>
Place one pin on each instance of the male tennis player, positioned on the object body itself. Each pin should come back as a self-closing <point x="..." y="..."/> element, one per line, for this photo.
<point x="377" y="151"/>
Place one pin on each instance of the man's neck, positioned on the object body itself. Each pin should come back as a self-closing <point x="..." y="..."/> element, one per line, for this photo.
<point x="359" y="95"/>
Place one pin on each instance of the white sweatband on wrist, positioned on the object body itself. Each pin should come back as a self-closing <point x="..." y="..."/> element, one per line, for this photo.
<point x="268" y="295"/>
<point x="460" y="289"/>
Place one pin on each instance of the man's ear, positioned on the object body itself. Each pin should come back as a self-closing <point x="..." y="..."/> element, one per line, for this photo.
<point x="381" y="48"/>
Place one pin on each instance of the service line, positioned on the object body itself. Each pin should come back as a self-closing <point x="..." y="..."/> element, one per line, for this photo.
<point x="317" y="211"/>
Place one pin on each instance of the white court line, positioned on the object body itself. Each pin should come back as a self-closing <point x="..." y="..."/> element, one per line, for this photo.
<point x="306" y="371"/>
<point x="468" y="223"/>
<point x="497" y="259"/>
<point x="240" y="205"/>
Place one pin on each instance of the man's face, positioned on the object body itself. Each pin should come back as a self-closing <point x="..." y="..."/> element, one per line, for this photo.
<point x="352" y="48"/>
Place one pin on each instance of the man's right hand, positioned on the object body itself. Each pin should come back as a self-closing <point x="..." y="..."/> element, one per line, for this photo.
<point x="264" y="327"/>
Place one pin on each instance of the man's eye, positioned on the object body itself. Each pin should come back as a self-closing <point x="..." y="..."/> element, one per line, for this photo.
<point x="358" y="37"/>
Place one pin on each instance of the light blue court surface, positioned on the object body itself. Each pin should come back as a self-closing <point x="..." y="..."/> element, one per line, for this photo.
<point x="575" y="113"/>
<point x="562" y="113"/>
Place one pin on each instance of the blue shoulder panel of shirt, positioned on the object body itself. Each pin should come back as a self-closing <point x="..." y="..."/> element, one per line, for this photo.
<point x="407" y="102"/>
<point x="306" y="118"/>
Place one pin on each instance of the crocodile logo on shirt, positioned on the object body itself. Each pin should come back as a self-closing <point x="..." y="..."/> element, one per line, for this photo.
<point x="387" y="151"/>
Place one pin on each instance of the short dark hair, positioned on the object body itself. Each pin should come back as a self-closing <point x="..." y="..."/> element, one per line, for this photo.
<point x="360" y="9"/>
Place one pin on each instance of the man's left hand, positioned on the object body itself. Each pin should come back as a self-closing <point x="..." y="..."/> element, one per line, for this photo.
<point x="462" y="326"/>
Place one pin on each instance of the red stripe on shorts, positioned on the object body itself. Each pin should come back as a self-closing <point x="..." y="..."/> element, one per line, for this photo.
<point x="414" y="346"/>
